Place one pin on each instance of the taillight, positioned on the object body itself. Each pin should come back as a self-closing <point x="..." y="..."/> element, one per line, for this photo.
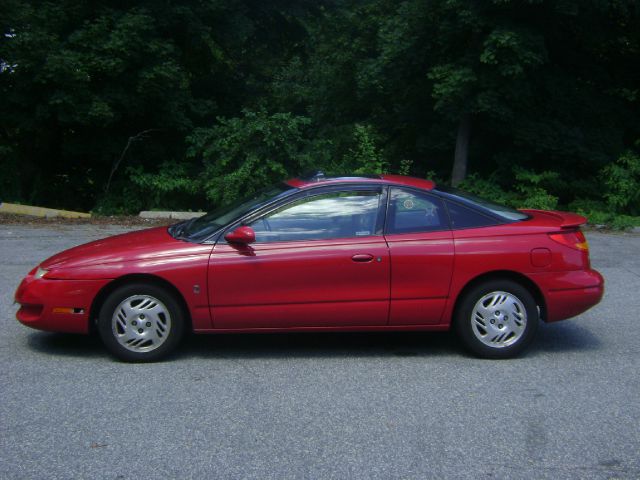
<point x="572" y="239"/>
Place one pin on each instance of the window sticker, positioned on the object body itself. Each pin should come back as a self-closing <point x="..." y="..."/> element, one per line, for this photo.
<point x="408" y="204"/>
<point x="363" y="233"/>
<point x="431" y="211"/>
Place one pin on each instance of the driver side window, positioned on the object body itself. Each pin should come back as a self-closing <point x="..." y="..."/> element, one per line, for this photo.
<point x="342" y="214"/>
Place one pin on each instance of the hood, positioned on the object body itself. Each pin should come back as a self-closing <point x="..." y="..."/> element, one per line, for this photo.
<point x="152" y="244"/>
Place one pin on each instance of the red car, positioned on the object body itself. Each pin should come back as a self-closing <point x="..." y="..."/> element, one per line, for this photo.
<point x="371" y="253"/>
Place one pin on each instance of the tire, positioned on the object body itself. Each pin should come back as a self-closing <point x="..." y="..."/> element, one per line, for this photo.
<point x="497" y="319"/>
<point x="140" y="322"/>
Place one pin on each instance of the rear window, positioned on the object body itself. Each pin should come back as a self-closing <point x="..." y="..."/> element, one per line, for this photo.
<point x="507" y="213"/>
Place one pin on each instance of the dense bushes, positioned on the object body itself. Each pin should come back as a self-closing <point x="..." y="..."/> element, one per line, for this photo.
<point x="614" y="201"/>
<point x="121" y="106"/>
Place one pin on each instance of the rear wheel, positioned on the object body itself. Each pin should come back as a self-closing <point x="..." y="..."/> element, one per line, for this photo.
<point x="497" y="319"/>
<point x="140" y="322"/>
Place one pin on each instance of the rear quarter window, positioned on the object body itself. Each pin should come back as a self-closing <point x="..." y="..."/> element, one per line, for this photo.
<point x="465" y="217"/>
<point x="412" y="212"/>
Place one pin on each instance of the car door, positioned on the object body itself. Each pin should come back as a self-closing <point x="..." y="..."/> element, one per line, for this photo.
<point x="320" y="260"/>
<point x="422" y="257"/>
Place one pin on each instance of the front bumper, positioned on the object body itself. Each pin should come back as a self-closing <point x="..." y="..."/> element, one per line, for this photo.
<point x="56" y="305"/>
<point x="571" y="293"/>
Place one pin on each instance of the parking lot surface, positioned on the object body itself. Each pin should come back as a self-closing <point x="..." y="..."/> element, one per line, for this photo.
<point x="315" y="406"/>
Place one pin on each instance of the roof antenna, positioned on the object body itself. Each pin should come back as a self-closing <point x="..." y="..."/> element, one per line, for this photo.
<point x="314" y="176"/>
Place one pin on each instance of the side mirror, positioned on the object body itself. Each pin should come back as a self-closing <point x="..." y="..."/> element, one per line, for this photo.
<point x="243" y="235"/>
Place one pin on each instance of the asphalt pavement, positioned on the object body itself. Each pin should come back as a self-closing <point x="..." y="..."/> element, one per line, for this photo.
<point x="323" y="406"/>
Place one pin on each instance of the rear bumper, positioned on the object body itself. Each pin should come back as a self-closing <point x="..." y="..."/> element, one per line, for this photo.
<point x="568" y="294"/>
<point x="56" y="305"/>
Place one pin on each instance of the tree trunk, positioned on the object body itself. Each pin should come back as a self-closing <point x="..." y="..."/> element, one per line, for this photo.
<point x="461" y="155"/>
<point x="116" y="164"/>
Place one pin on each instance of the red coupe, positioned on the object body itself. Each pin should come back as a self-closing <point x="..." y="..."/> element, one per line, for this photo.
<point x="370" y="253"/>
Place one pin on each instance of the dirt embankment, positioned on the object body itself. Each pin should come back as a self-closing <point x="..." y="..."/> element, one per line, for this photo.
<point x="125" y="220"/>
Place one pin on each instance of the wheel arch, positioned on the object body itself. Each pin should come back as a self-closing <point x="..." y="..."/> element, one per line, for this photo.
<point x="517" y="277"/>
<point x="110" y="287"/>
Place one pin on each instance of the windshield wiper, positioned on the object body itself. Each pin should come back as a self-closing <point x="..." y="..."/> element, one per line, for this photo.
<point x="180" y="230"/>
<point x="177" y="229"/>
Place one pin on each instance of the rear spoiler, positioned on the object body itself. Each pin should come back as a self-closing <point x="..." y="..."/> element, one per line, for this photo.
<point x="566" y="219"/>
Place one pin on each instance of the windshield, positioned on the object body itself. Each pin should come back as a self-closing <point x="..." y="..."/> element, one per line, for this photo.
<point x="503" y="211"/>
<point x="200" y="228"/>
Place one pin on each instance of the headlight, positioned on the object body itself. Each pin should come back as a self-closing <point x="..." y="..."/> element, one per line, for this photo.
<point x="40" y="272"/>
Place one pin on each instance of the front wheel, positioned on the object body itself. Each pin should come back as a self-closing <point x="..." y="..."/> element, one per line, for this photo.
<point x="140" y="323"/>
<point x="497" y="319"/>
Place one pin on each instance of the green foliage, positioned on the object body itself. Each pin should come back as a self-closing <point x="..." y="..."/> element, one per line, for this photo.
<point x="172" y="185"/>
<point x="527" y="190"/>
<point x="237" y="95"/>
<point x="433" y="176"/>
<point x="622" y="179"/>
<point x="624" y="222"/>
<point x="405" y="167"/>
<point x="532" y="191"/>
<point x="599" y="215"/>
<point x="78" y="79"/>
<point x="128" y="200"/>
<point x="619" y="208"/>
<point x="365" y="157"/>
<point x="512" y="52"/>
<point x="588" y="206"/>
<point x="242" y="155"/>
<point x="488" y="188"/>
<point x="452" y="85"/>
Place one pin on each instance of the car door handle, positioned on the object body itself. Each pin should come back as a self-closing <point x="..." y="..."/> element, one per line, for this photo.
<point x="362" y="257"/>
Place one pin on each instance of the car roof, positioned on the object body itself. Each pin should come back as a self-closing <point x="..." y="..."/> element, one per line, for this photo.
<point x="319" y="178"/>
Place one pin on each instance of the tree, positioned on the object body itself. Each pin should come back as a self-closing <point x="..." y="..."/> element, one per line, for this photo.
<point x="445" y="86"/>
<point x="88" y="76"/>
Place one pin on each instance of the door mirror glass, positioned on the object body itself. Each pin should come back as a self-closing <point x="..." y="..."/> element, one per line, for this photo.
<point x="243" y="235"/>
